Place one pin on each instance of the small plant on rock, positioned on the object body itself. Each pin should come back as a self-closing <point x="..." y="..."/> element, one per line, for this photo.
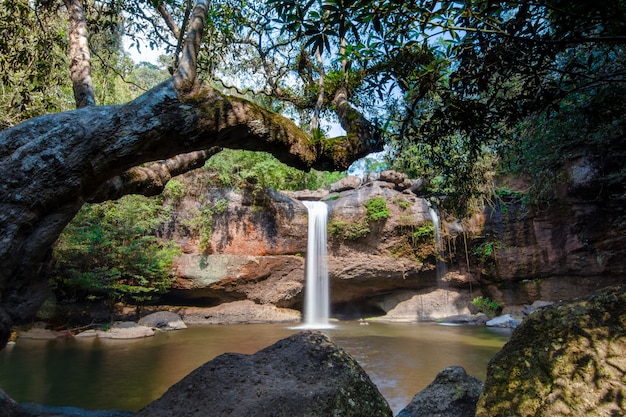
<point x="485" y="305"/>
<point x="377" y="209"/>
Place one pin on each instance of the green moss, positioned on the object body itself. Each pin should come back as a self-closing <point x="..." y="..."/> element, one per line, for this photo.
<point x="377" y="209"/>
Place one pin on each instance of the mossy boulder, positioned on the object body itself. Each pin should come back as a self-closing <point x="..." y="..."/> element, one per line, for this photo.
<point x="303" y="375"/>
<point x="565" y="360"/>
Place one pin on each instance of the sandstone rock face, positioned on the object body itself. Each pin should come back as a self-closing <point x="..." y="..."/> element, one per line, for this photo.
<point x="553" y="255"/>
<point x="564" y="360"/>
<point x="257" y="253"/>
<point x="510" y="252"/>
<point x="453" y="393"/>
<point x="303" y="375"/>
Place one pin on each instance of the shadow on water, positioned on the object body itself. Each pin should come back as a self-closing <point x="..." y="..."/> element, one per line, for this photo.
<point x="401" y="359"/>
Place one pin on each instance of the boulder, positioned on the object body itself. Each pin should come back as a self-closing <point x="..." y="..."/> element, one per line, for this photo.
<point x="350" y="182"/>
<point x="9" y="407"/>
<point x="453" y="393"/>
<point x="568" y="359"/>
<point x="303" y="375"/>
<point x="163" y="320"/>
<point x="505" y="321"/>
<point x="393" y="177"/>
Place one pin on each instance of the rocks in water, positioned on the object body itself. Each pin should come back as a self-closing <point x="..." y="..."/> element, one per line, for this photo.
<point x="163" y="320"/>
<point x="565" y="360"/>
<point x="303" y="375"/>
<point x="238" y="312"/>
<point x="453" y="393"/>
<point x="505" y="321"/>
<point x="120" y="330"/>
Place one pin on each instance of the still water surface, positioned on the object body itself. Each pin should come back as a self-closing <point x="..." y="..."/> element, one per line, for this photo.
<point x="401" y="359"/>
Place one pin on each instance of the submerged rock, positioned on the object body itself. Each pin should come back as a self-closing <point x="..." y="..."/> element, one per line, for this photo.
<point x="303" y="375"/>
<point x="564" y="360"/>
<point x="453" y="393"/>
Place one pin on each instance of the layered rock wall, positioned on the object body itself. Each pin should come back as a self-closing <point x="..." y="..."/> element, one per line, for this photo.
<point x="387" y="266"/>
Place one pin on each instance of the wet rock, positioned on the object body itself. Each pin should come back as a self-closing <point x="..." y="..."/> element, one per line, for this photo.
<point x="163" y="320"/>
<point x="568" y="359"/>
<point x="303" y="375"/>
<point x="453" y="393"/>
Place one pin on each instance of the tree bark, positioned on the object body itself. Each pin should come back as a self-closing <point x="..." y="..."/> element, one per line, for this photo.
<point x="79" y="55"/>
<point x="52" y="164"/>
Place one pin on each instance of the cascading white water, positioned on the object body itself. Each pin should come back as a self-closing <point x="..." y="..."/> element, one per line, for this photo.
<point x="442" y="267"/>
<point x="316" y="303"/>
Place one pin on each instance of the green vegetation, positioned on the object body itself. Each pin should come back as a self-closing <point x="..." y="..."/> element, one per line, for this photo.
<point x="487" y="306"/>
<point x="235" y="168"/>
<point x="376" y="209"/>
<point x="419" y="243"/>
<point x="110" y="252"/>
<point x="485" y="252"/>
<point x="349" y="231"/>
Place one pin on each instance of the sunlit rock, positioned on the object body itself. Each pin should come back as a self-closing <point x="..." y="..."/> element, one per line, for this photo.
<point x="568" y="359"/>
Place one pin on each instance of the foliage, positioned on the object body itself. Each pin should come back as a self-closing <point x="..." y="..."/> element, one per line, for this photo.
<point x="589" y="125"/>
<point x="110" y="251"/>
<point x="376" y="209"/>
<point x="234" y="168"/>
<point x="486" y="250"/>
<point x="402" y="203"/>
<point x="34" y="76"/>
<point x="485" y="305"/>
<point x="349" y="231"/>
<point x="201" y="221"/>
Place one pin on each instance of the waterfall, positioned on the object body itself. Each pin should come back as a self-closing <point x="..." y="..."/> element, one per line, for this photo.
<point x="442" y="267"/>
<point x="316" y="303"/>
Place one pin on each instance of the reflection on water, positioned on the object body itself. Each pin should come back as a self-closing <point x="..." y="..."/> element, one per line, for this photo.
<point x="401" y="359"/>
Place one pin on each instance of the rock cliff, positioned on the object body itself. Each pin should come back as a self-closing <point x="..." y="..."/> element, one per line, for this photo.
<point x="383" y="259"/>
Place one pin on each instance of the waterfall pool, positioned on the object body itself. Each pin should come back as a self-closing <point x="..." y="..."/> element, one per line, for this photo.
<point x="401" y="359"/>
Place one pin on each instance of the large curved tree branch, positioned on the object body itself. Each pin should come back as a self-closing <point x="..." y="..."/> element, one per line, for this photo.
<point x="149" y="180"/>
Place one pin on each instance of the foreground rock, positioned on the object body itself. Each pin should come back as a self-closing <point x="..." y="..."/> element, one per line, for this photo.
<point x="453" y="393"/>
<point x="564" y="360"/>
<point x="303" y="375"/>
<point x="8" y="407"/>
